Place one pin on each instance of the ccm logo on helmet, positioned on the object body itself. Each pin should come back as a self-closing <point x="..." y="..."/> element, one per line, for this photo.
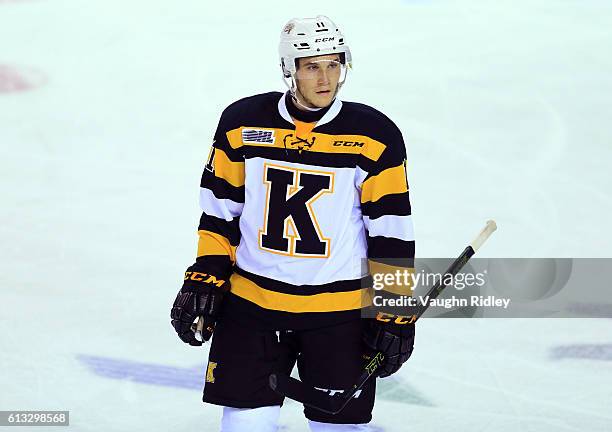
<point x="325" y="39"/>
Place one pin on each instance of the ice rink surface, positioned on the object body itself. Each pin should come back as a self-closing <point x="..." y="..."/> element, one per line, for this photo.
<point x="107" y="111"/>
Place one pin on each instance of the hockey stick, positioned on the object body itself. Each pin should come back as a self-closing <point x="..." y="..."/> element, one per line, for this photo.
<point x="335" y="402"/>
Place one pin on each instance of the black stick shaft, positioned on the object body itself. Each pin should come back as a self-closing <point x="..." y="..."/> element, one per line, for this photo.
<point x="376" y="361"/>
<point x="334" y="404"/>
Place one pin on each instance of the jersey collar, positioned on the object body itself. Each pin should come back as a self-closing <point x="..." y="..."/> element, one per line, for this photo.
<point x="329" y="115"/>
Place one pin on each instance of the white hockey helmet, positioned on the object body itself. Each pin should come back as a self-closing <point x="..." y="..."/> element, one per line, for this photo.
<point x="308" y="37"/>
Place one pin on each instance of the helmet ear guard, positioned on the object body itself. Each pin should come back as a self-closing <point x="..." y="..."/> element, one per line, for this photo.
<point x="286" y="73"/>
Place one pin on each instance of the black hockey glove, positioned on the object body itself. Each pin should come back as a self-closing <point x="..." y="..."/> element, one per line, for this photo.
<point x="395" y="341"/>
<point x="200" y="295"/>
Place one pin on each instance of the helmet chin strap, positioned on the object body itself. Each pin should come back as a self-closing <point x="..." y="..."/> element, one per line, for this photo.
<point x="296" y="99"/>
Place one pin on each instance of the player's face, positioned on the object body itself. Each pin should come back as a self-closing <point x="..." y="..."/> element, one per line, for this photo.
<point x="317" y="79"/>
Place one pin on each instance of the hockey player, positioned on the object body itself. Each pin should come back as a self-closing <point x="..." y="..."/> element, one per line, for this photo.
<point x="298" y="189"/>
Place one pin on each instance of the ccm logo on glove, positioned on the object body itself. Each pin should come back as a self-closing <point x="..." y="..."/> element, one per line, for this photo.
<point x="396" y="319"/>
<point x="199" y="277"/>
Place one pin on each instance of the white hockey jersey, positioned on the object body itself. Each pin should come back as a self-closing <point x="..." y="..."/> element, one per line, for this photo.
<point x="291" y="210"/>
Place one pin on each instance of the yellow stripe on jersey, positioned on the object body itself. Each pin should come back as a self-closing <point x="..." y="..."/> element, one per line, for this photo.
<point x="373" y="149"/>
<point x="379" y="271"/>
<point x="349" y="144"/>
<point x="211" y="243"/>
<point x="323" y="302"/>
<point x="321" y="143"/>
<point x="389" y="181"/>
<point x="232" y="172"/>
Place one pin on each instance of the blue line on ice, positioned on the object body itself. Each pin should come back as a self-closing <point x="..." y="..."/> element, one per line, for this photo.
<point x="583" y="351"/>
<point x="393" y="389"/>
<point x="148" y="373"/>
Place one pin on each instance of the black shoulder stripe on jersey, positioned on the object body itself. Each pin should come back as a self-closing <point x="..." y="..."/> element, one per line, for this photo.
<point x="367" y="165"/>
<point x="235" y="155"/>
<point x="363" y="120"/>
<point x="221" y="188"/>
<point x="228" y="229"/>
<point x="387" y="247"/>
<point x="393" y="204"/>
<point x="260" y="109"/>
<point x="305" y="157"/>
<point x="282" y="287"/>
<point x="375" y="168"/>
<point x="393" y="156"/>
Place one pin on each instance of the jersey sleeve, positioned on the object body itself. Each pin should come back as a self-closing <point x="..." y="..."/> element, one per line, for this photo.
<point x="386" y="210"/>
<point x="221" y="202"/>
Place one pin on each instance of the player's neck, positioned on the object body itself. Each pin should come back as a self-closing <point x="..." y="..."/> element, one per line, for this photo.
<point x="302" y="115"/>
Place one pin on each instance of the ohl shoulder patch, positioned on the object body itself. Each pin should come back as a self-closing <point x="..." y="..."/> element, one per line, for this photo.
<point x="260" y="136"/>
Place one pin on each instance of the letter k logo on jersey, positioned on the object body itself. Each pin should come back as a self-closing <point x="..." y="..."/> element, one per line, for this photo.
<point x="290" y="222"/>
